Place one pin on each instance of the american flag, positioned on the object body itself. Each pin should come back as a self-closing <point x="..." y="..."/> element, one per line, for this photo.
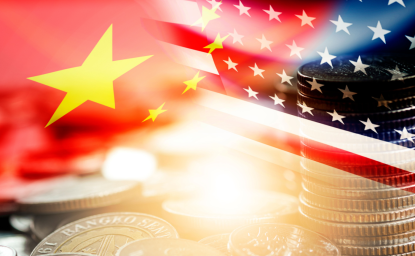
<point x="249" y="92"/>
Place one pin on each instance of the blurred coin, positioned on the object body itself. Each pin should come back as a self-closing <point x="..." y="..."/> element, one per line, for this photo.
<point x="7" y="251"/>
<point x="211" y="215"/>
<point x="83" y="193"/>
<point x="167" y="246"/>
<point x="22" y="244"/>
<point x="21" y="222"/>
<point x="104" y="234"/>
<point x="279" y="239"/>
<point x="219" y="242"/>
<point x="15" y="187"/>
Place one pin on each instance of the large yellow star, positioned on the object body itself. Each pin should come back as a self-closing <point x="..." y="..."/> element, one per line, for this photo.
<point x="155" y="112"/>
<point x="217" y="44"/>
<point x="92" y="81"/>
<point x="193" y="83"/>
<point x="207" y="15"/>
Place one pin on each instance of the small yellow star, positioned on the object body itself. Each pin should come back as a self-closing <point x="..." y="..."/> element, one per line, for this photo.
<point x="207" y="15"/>
<point x="193" y="83"/>
<point x="155" y="112"/>
<point x="217" y="44"/>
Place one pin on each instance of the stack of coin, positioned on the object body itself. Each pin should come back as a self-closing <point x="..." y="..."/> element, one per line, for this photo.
<point x="365" y="206"/>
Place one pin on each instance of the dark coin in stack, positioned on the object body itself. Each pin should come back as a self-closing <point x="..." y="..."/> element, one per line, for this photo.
<point x="219" y="242"/>
<point x="387" y="129"/>
<point x="332" y="94"/>
<point x="167" y="246"/>
<point x="279" y="239"/>
<point x="82" y="193"/>
<point x="22" y="244"/>
<point x="357" y="105"/>
<point x="359" y="182"/>
<point x="402" y="158"/>
<point x="370" y="169"/>
<point x="104" y="234"/>
<point x="7" y="251"/>
<point x="392" y="74"/>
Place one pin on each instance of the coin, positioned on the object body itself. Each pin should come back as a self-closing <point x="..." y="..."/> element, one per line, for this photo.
<point x="83" y="193"/>
<point x="354" y="205"/>
<point x="21" y="222"/>
<point x="378" y="78"/>
<point x="400" y="238"/>
<point x="355" y="217"/>
<point x="337" y="229"/>
<point x="7" y="251"/>
<point x="219" y="242"/>
<point x="361" y="103"/>
<point x="104" y="234"/>
<point x="68" y="254"/>
<point x="279" y="239"/>
<point x="167" y="246"/>
<point x="21" y="243"/>
<point x="357" y="182"/>
<point x="372" y="170"/>
<point x="211" y="215"/>
<point x="44" y="224"/>
<point x="377" y="250"/>
<point x="363" y="194"/>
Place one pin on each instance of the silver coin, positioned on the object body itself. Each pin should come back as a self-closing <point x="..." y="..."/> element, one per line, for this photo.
<point x="279" y="239"/>
<point x="68" y="254"/>
<point x="219" y="242"/>
<point x="211" y="216"/>
<point x="22" y="244"/>
<point x="7" y="251"/>
<point x="21" y="222"/>
<point x="167" y="246"/>
<point x="104" y="234"/>
<point x="82" y="193"/>
<point x="45" y="224"/>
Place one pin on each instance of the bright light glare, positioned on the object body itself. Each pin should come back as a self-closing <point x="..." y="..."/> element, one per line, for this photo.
<point x="225" y="188"/>
<point x="128" y="164"/>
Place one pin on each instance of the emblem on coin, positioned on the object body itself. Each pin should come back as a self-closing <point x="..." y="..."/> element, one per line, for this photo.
<point x="279" y="239"/>
<point x="167" y="247"/>
<point x="104" y="234"/>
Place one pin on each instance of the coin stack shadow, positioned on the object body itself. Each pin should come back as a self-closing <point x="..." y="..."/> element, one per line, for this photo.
<point x="364" y="206"/>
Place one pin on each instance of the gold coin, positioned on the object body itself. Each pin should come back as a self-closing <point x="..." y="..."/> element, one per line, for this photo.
<point x="104" y="234"/>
